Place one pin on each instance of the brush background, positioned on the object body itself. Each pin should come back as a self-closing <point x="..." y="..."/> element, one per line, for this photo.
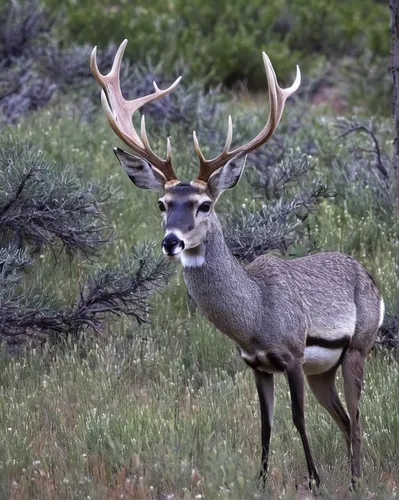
<point x="168" y="410"/>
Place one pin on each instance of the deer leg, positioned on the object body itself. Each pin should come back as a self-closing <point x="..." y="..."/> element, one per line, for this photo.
<point x="352" y="371"/>
<point x="296" y="382"/>
<point x="265" y="387"/>
<point x="323" y="387"/>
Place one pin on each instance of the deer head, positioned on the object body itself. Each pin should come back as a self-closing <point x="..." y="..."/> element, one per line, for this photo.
<point x="187" y="208"/>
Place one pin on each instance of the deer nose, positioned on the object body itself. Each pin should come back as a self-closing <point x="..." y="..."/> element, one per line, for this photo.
<point x="172" y="245"/>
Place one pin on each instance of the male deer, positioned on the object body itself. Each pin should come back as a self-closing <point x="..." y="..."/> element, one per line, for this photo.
<point x="301" y="317"/>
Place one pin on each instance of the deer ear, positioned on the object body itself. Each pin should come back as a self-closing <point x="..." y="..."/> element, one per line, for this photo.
<point x="227" y="177"/>
<point x="140" y="172"/>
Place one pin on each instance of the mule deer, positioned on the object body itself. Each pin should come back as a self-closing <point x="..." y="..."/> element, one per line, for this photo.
<point x="301" y="317"/>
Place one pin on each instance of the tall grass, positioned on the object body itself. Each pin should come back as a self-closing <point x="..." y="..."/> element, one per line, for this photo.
<point x="168" y="410"/>
<point x="149" y="415"/>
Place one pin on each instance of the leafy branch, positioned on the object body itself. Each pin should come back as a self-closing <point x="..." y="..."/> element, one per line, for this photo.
<point x="120" y="290"/>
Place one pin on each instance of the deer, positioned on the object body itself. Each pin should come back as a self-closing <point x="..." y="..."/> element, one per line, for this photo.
<point x="303" y="317"/>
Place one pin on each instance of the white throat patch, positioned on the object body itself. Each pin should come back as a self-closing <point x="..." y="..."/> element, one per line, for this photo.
<point x="190" y="259"/>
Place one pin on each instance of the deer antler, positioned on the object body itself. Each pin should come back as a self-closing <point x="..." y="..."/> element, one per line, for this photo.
<point x="277" y="98"/>
<point x="119" y="112"/>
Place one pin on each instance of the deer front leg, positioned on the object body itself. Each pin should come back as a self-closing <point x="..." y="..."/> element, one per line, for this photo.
<point x="296" y="382"/>
<point x="265" y="387"/>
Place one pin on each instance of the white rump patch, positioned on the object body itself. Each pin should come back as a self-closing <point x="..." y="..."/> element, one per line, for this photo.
<point x="192" y="260"/>
<point x="320" y="359"/>
<point x="382" y="312"/>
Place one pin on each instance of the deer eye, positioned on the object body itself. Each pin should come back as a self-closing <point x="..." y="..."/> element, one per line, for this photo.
<point x="161" y="206"/>
<point x="205" y="207"/>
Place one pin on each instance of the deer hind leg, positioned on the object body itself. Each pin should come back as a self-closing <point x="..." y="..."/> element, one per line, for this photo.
<point x="323" y="387"/>
<point x="265" y="388"/>
<point x="296" y="382"/>
<point x="352" y="371"/>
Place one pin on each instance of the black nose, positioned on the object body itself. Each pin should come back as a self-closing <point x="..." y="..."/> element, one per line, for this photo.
<point x="170" y="243"/>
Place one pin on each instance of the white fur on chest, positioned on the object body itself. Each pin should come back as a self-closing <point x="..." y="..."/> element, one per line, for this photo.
<point x="192" y="260"/>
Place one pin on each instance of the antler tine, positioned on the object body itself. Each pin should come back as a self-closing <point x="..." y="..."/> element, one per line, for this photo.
<point x="277" y="99"/>
<point x="282" y="94"/>
<point x="168" y="160"/>
<point x="226" y="147"/>
<point x="229" y="137"/>
<point x="116" y="66"/>
<point x="119" y="112"/>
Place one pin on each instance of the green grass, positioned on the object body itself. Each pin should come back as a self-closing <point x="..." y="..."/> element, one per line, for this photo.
<point x="169" y="409"/>
<point x="150" y="412"/>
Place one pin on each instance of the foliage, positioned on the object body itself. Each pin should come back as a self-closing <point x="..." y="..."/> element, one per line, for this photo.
<point x="363" y="169"/>
<point x="176" y="414"/>
<point x="388" y="334"/>
<point x="43" y="207"/>
<point x="22" y="88"/>
<point x="285" y="198"/>
<point x="367" y="76"/>
<point x="121" y="290"/>
<point x="38" y="68"/>
<point x="282" y="226"/>
<point x="217" y="42"/>
<point x="278" y="218"/>
<point x="169" y="409"/>
<point x="352" y="26"/>
<point x="24" y="25"/>
<point x="124" y="289"/>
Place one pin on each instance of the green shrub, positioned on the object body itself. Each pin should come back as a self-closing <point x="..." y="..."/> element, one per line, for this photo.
<point x="45" y="209"/>
<point x="340" y="27"/>
<point x="221" y="42"/>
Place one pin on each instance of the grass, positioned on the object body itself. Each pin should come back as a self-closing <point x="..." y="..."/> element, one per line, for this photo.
<point x="168" y="410"/>
<point x="137" y="418"/>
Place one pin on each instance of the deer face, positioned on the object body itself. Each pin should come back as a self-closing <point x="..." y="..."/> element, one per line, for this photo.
<point x="187" y="209"/>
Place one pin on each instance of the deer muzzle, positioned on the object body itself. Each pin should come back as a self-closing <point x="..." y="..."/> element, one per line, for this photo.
<point x="172" y="245"/>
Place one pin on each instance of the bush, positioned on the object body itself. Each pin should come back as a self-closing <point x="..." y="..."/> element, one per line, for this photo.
<point x="43" y="206"/>
<point x="38" y="68"/>
<point x="165" y="44"/>
<point x="221" y="42"/>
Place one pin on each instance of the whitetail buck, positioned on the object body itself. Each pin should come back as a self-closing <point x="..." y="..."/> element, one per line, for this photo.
<point x="301" y="317"/>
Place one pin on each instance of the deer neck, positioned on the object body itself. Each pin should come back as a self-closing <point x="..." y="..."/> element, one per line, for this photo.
<point x="221" y="287"/>
<point x="211" y="254"/>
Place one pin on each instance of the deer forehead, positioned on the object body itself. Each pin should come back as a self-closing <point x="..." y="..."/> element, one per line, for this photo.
<point x="185" y="193"/>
